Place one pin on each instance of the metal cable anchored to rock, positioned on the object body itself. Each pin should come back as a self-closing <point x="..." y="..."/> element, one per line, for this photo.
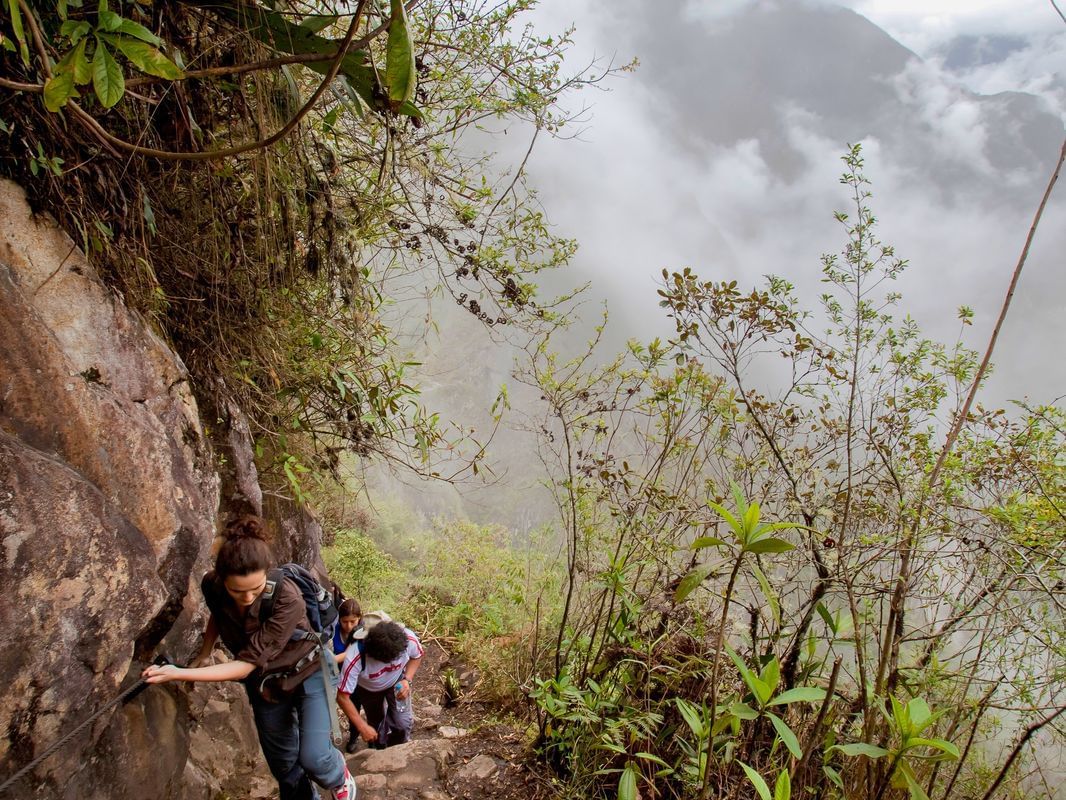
<point x="124" y="695"/>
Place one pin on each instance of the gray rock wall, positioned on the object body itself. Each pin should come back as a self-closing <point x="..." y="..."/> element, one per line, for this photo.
<point x="109" y="491"/>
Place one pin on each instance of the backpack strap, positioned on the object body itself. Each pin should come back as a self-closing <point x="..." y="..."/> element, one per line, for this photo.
<point x="270" y="599"/>
<point x="270" y="594"/>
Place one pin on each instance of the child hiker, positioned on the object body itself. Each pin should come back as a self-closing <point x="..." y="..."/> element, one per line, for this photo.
<point x="348" y="616"/>
<point x="349" y="619"/>
<point x="381" y="661"/>
<point x="281" y="675"/>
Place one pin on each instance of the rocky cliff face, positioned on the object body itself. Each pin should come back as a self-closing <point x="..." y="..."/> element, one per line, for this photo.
<point x="109" y="493"/>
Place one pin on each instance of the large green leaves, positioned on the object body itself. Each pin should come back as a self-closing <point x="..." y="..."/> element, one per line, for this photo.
<point x="801" y="694"/>
<point x="145" y="57"/>
<point x="769" y="545"/>
<point x="915" y="789"/>
<point x="20" y="33"/>
<point x="689" y="583"/>
<point x="707" y="541"/>
<point x="756" y="781"/>
<point x="946" y="748"/>
<point x="83" y="70"/>
<point x="400" y="73"/>
<point x="783" y="787"/>
<point x="786" y="735"/>
<point x="744" y="525"/>
<point x="58" y="90"/>
<point x="861" y="749"/>
<point x="112" y="33"/>
<point x="138" y="31"/>
<point x="108" y="82"/>
<point x="277" y="32"/>
<point x="757" y="686"/>
<point x="627" y="785"/>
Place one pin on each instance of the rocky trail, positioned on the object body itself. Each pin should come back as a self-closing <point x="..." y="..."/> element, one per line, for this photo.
<point x="458" y="751"/>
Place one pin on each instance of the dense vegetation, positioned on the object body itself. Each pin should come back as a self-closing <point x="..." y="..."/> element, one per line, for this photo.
<point x="261" y="190"/>
<point x="795" y="560"/>
<point x="894" y="629"/>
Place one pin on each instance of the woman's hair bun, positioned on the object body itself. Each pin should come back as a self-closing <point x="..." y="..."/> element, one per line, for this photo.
<point x="247" y="526"/>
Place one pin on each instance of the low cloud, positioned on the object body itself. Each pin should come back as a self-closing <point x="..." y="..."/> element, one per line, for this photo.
<point x="735" y="174"/>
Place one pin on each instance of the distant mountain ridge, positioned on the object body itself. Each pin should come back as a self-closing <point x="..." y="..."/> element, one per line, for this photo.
<point x="750" y="75"/>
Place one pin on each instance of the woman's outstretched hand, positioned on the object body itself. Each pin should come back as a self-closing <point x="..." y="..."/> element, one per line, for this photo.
<point x="161" y="674"/>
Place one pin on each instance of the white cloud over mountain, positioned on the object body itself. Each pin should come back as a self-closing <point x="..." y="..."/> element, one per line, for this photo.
<point x="722" y="153"/>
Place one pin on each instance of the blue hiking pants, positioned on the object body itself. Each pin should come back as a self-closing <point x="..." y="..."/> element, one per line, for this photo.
<point x="295" y="735"/>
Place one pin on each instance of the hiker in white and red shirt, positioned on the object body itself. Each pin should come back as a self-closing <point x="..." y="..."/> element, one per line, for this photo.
<point x="379" y="664"/>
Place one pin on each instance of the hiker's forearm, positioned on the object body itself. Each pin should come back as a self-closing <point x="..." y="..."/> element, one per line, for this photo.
<point x="361" y="725"/>
<point x="403" y="686"/>
<point x="228" y="671"/>
<point x="348" y="707"/>
<point x="411" y="669"/>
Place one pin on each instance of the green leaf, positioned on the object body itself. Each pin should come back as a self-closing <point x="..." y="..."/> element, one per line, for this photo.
<point x="738" y="498"/>
<point x="75" y="30"/>
<point x="861" y="749"/>
<point x="920" y="715"/>
<point x="768" y="593"/>
<point x="783" y="789"/>
<point x="58" y="90"/>
<point x="275" y="31"/>
<point x="707" y="541"/>
<point x="801" y="694"/>
<point x="409" y="109"/>
<point x="918" y="712"/>
<point x="756" y="781"/>
<point x="146" y="58"/>
<point x="758" y="688"/>
<point x="770" y="545"/>
<point x="834" y="777"/>
<point x="730" y="520"/>
<point x="692" y="717"/>
<point x="786" y="735"/>
<point x="108" y="21"/>
<point x="138" y="31"/>
<point x="316" y="23"/>
<point x="20" y="33"/>
<point x="652" y="757"/>
<point x="901" y="715"/>
<point x="751" y="518"/>
<point x="743" y="711"/>
<point x="107" y="76"/>
<point x="827" y="618"/>
<point x="400" y="73"/>
<point x="83" y="71"/>
<point x="689" y="583"/>
<point x="944" y="746"/>
<point x="627" y="786"/>
<point x="771" y="674"/>
<point x="917" y="792"/>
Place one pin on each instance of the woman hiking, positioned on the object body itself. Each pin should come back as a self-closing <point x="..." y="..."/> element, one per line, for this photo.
<point x="281" y="674"/>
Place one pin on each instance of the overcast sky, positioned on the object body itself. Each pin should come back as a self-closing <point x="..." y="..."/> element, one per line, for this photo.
<point x="722" y="153"/>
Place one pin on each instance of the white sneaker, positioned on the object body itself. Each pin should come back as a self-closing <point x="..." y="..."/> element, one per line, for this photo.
<point x="347" y="790"/>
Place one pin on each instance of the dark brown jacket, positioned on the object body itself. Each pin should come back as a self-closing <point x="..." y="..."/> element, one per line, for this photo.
<point x="268" y="643"/>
